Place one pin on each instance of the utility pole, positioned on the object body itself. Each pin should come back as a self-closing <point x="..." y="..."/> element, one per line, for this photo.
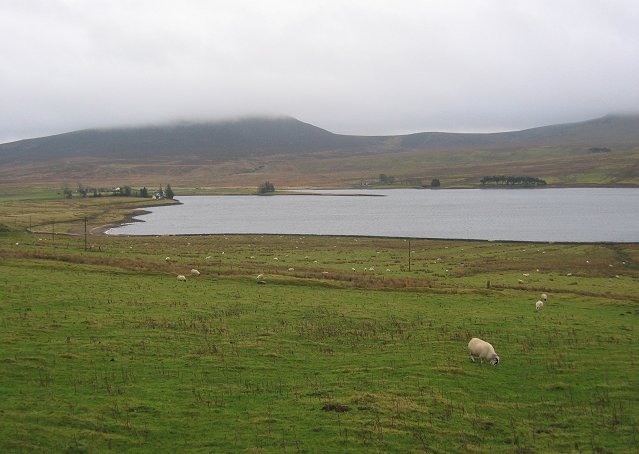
<point x="409" y="254"/>
<point x="53" y="231"/>
<point x="85" y="233"/>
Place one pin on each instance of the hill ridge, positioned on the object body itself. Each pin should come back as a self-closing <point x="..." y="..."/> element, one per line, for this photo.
<point x="259" y="136"/>
<point x="250" y="150"/>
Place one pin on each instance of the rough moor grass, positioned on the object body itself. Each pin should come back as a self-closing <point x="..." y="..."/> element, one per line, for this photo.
<point x="343" y="348"/>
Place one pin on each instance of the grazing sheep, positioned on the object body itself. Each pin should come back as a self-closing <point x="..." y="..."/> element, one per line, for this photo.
<point x="544" y="297"/>
<point x="538" y="305"/>
<point x="482" y="350"/>
<point x="195" y="272"/>
<point x="168" y="259"/>
<point x="181" y="277"/>
<point x="260" y="276"/>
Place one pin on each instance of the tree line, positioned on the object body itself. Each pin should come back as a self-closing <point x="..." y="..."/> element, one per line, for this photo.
<point x="512" y="180"/>
<point x="119" y="191"/>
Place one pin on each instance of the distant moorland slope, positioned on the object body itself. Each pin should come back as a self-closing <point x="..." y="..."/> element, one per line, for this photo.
<point x="246" y="151"/>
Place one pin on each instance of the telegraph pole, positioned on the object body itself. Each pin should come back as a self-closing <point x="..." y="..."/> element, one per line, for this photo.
<point x="85" y="233"/>
<point x="409" y="254"/>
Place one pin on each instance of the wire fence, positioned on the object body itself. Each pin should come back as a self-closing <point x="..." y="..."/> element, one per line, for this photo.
<point x="49" y="229"/>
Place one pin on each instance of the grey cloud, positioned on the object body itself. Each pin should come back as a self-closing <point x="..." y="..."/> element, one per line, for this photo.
<point x="361" y="67"/>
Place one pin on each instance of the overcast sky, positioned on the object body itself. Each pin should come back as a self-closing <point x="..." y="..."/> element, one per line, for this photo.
<point x="352" y="67"/>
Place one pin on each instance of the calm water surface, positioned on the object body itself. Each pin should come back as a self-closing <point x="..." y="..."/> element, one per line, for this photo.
<point x="579" y="215"/>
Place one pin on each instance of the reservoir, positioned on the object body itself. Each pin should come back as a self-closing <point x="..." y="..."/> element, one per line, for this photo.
<point x="549" y="214"/>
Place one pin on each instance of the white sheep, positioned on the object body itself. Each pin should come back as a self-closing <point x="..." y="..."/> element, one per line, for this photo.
<point x="195" y="272"/>
<point x="291" y="269"/>
<point x="482" y="350"/>
<point x="168" y="259"/>
<point x="260" y="276"/>
<point x="544" y="297"/>
<point x="538" y="305"/>
<point x="181" y="277"/>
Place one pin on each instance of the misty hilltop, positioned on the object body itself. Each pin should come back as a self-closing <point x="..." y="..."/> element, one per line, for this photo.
<point x="244" y="151"/>
<point x="221" y="140"/>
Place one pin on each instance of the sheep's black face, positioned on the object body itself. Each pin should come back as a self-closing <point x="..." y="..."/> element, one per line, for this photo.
<point x="495" y="361"/>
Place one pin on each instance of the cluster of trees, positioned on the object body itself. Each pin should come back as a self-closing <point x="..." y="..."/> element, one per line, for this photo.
<point x="513" y="180"/>
<point x="266" y="187"/>
<point x="386" y="179"/>
<point x="122" y="191"/>
<point x="599" y="150"/>
<point x="163" y="193"/>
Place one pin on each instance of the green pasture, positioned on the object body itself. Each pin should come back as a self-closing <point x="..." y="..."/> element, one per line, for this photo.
<point x="351" y="345"/>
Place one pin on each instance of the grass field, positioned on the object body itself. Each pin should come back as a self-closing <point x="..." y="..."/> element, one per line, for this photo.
<point x="344" y="349"/>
